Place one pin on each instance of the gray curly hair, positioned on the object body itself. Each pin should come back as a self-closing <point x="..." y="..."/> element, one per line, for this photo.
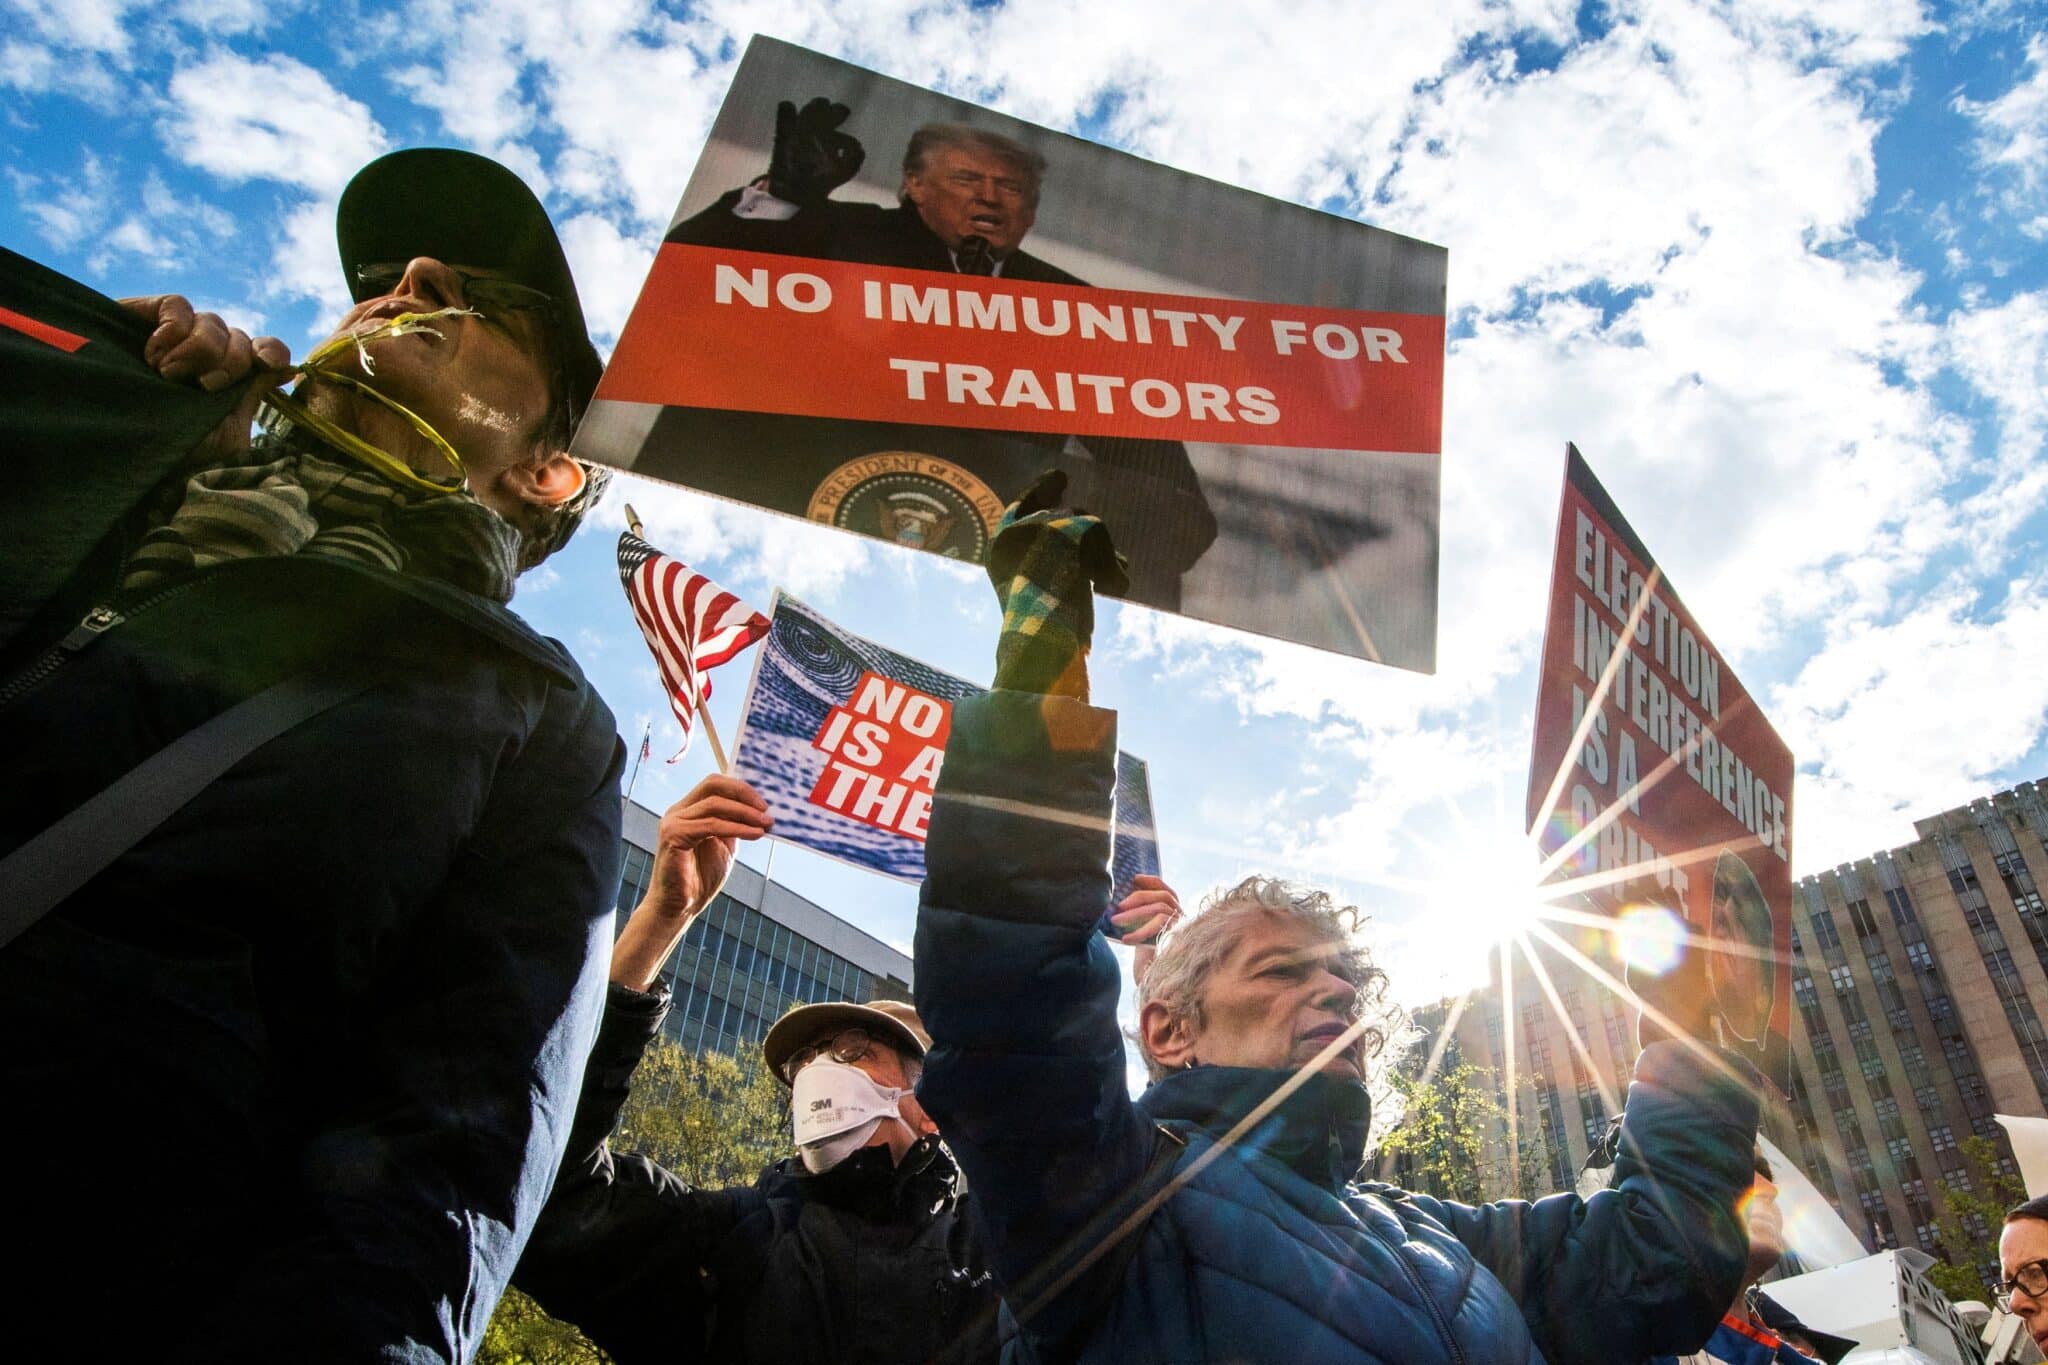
<point x="1179" y="977"/>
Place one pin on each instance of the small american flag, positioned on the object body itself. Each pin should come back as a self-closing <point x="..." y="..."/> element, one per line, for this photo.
<point x="691" y="624"/>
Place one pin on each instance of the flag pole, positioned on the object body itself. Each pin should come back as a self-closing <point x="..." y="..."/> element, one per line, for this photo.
<point x="632" y="520"/>
<point x="646" y="738"/>
<point x="711" y="733"/>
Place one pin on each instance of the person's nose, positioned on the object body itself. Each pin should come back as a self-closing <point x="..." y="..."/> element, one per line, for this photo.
<point x="1334" y="993"/>
<point x="432" y="281"/>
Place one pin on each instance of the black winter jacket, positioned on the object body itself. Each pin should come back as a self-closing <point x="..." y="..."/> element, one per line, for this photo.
<point x="290" y="1080"/>
<point x="868" y="1264"/>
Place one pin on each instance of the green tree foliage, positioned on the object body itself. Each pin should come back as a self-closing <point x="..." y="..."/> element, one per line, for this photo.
<point x="1977" y="1194"/>
<point x="521" y="1333"/>
<point x="713" y="1119"/>
<point x="1453" y="1134"/>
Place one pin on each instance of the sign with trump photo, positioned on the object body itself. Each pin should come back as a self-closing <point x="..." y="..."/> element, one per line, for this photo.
<point x="1658" y="791"/>
<point x="888" y="311"/>
<point x="844" y="739"/>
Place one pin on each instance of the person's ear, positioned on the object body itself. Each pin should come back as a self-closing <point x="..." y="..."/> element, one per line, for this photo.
<point x="1165" y="1036"/>
<point x="549" y="482"/>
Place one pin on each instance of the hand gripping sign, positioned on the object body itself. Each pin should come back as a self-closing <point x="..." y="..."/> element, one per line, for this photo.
<point x="844" y="739"/>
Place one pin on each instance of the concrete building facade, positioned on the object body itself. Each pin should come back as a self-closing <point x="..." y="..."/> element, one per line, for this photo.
<point x="758" y="950"/>
<point x="1920" y="990"/>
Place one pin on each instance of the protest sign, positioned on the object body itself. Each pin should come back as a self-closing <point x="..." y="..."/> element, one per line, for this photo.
<point x="1247" y="391"/>
<point x="1656" y="774"/>
<point x="844" y="739"/>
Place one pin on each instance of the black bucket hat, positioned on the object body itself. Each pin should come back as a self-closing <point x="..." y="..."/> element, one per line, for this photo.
<point x="465" y="209"/>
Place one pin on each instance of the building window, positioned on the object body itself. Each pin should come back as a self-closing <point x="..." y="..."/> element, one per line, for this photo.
<point x="1902" y="907"/>
<point x="1844" y="980"/>
<point x="1824" y="931"/>
<point x="1859" y="915"/>
<point x="1921" y="956"/>
<point x="1941" y="1137"/>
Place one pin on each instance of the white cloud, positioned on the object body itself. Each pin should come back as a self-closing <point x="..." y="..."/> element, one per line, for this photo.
<point x="1913" y="716"/>
<point x="747" y="551"/>
<point x="69" y="209"/>
<point x="93" y="26"/>
<point x="305" y="263"/>
<point x="609" y="266"/>
<point x="2012" y="139"/>
<point x="269" y="118"/>
<point x="2002" y="350"/>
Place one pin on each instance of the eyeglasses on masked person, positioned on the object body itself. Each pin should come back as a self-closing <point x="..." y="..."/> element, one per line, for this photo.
<point x="848" y="1045"/>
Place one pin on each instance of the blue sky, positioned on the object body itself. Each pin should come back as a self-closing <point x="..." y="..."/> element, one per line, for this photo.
<point x="1780" y="268"/>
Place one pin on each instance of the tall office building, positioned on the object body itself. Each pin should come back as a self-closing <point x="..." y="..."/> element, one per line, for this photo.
<point x="757" y="950"/>
<point x="1919" y="985"/>
<point x="1921" y="979"/>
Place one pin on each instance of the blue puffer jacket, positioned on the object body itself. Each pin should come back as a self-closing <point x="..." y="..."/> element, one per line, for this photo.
<point x="1265" y="1252"/>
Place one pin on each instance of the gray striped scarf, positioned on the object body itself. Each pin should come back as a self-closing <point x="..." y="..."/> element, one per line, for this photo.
<point x="289" y="494"/>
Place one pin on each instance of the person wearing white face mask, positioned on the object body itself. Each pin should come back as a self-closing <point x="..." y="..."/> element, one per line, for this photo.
<point x="852" y="1072"/>
<point x="857" y="1248"/>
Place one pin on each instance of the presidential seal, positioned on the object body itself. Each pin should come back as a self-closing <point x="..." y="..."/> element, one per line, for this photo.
<point x="911" y="499"/>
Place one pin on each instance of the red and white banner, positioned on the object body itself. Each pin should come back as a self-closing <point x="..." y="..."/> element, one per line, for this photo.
<point x="1679" y="792"/>
<point x="1248" y="392"/>
<point x="718" y="328"/>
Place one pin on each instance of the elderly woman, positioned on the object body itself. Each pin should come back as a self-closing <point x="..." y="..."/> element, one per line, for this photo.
<point x="1218" y="1217"/>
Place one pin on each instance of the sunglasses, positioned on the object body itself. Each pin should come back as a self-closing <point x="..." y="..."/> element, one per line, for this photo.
<point x="2032" y="1278"/>
<point x="486" y="293"/>
<point x="496" y="299"/>
<point x="847" y="1045"/>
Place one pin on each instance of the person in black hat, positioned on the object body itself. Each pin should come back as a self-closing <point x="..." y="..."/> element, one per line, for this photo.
<point x="858" y="1247"/>
<point x="290" y="1063"/>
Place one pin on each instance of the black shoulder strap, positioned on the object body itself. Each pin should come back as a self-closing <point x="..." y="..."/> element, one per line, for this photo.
<point x="38" y="876"/>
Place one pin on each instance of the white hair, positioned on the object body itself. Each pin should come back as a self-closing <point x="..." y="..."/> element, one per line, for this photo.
<point x="1179" y="977"/>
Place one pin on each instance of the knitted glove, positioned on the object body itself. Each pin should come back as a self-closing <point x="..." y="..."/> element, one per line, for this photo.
<point x="1045" y="562"/>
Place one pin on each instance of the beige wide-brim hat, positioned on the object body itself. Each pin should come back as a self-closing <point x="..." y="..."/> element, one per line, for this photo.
<point x="891" y="1021"/>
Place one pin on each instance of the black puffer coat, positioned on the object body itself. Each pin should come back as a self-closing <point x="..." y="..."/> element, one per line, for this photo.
<point x="867" y="1264"/>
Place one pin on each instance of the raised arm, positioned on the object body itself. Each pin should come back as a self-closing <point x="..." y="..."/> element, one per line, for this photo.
<point x="1647" y="1266"/>
<point x="1018" y="988"/>
<point x="692" y="858"/>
